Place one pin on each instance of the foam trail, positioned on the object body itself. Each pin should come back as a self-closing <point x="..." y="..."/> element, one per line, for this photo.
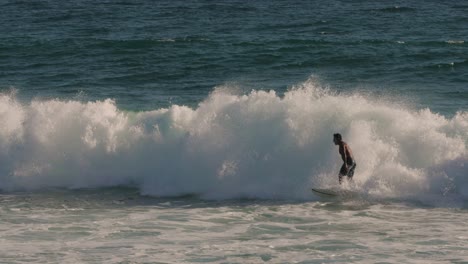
<point x="256" y="145"/>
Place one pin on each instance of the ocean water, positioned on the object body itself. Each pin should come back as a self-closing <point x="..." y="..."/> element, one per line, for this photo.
<point x="192" y="131"/>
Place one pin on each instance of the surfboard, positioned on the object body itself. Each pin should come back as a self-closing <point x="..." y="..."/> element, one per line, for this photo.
<point x="333" y="193"/>
<point x="324" y="192"/>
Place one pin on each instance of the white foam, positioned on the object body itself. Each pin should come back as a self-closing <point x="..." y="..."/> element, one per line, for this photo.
<point x="254" y="145"/>
<point x="455" y="41"/>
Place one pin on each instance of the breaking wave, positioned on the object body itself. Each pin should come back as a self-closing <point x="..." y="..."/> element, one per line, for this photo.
<point x="258" y="145"/>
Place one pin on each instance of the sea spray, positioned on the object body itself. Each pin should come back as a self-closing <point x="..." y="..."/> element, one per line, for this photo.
<point x="258" y="145"/>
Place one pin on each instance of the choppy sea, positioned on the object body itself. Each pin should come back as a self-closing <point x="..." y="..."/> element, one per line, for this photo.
<point x="193" y="131"/>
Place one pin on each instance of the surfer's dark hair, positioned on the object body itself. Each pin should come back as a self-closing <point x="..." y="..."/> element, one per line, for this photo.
<point x="337" y="136"/>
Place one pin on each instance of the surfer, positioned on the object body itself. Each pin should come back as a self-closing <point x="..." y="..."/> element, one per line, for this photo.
<point x="349" y="164"/>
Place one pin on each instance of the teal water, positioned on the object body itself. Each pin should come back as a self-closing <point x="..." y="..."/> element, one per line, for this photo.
<point x="148" y="54"/>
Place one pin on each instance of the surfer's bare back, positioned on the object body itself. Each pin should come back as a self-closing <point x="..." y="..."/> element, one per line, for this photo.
<point x="349" y="164"/>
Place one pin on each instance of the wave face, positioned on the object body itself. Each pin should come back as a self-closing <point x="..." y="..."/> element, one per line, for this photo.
<point x="258" y="145"/>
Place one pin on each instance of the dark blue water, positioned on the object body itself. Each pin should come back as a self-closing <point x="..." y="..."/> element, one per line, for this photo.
<point x="151" y="54"/>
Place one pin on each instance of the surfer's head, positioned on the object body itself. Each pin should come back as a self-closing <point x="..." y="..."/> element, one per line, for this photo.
<point x="337" y="138"/>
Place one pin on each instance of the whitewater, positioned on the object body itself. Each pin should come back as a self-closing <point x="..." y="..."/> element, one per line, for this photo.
<point x="234" y="145"/>
<point x="228" y="181"/>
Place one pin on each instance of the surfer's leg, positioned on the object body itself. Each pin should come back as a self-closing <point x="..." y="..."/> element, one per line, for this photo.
<point x="342" y="173"/>
<point x="351" y="171"/>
